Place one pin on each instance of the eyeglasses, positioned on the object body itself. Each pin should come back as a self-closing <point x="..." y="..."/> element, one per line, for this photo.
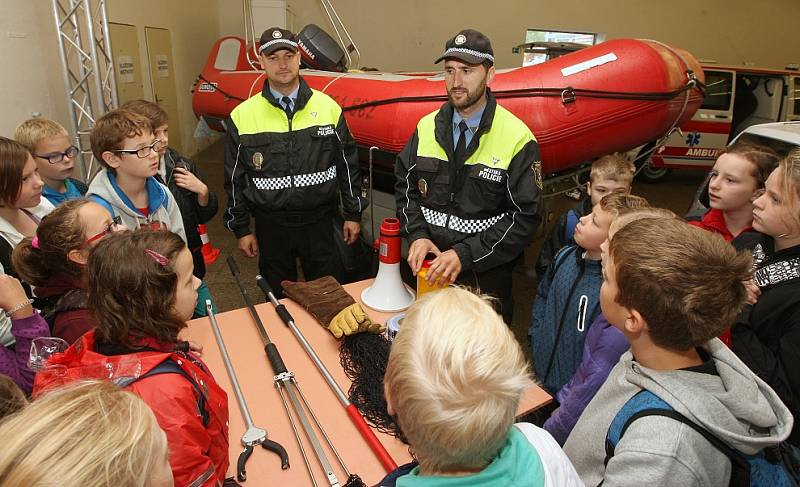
<point x="117" y="220"/>
<point x="145" y="151"/>
<point x="57" y="157"/>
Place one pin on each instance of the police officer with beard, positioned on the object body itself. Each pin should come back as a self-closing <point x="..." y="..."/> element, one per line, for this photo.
<point x="468" y="185"/>
<point x="289" y="158"/>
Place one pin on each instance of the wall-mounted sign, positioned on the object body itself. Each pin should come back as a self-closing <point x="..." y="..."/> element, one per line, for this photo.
<point x="162" y="66"/>
<point x="126" y="69"/>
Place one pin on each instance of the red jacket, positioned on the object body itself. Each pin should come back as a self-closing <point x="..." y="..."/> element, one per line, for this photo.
<point x="198" y="454"/>
<point x="714" y="222"/>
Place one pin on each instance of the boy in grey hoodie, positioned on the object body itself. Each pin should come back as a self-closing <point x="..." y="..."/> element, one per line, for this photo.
<point x="671" y="288"/>
<point x="123" y="142"/>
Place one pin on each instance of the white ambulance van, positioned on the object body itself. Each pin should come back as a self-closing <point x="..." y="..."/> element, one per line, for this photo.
<point x="737" y="97"/>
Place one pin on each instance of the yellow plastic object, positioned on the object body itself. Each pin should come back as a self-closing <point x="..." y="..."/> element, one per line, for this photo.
<point x="422" y="283"/>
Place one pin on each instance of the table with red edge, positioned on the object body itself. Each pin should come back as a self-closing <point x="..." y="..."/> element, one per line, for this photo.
<point x="256" y="380"/>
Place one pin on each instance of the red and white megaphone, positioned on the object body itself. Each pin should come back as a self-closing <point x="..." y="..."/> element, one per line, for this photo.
<point x="388" y="293"/>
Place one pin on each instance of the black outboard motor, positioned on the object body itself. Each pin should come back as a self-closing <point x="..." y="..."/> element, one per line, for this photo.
<point x="319" y="51"/>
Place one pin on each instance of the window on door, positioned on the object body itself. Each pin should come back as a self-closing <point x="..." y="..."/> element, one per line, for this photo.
<point x="541" y="45"/>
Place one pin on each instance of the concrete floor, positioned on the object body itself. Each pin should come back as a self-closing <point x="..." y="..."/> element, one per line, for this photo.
<point x="674" y="193"/>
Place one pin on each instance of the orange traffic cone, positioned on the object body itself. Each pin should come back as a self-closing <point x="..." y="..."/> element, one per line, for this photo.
<point x="210" y="254"/>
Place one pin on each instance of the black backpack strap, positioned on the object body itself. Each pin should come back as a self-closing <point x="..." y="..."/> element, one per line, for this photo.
<point x="740" y="467"/>
<point x="169" y="366"/>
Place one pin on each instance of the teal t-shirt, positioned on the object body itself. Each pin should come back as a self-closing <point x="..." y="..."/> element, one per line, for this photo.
<point x="57" y="198"/>
<point x="517" y="465"/>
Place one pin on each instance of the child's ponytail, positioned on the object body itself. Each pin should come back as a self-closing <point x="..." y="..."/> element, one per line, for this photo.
<point x="39" y="259"/>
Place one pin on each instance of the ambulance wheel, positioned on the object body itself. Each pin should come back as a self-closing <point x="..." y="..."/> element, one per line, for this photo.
<point x="650" y="174"/>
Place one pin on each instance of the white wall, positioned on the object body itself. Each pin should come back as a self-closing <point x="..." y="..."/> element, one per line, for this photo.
<point x="31" y="80"/>
<point x="194" y="28"/>
<point x="410" y="34"/>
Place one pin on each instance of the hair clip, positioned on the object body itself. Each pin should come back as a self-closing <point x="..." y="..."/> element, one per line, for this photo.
<point x="35" y="242"/>
<point x="160" y="259"/>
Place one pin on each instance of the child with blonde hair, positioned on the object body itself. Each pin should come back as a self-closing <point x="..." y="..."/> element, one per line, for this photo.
<point x="767" y="335"/>
<point x="612" y="173"/>
<point x="89" y="433"/>
<point x="454" y="380"/>
<point x="602" y="349"/>
<point x="55" y="155"/>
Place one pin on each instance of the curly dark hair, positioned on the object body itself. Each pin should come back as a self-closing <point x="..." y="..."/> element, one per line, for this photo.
<point x="130" y="293"/>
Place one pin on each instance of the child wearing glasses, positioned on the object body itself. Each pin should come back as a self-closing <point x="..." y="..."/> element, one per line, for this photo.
<point x="124" y="143"/>
<point x="54" y="259"/>
<point x="54" y="154"/>
<point x="197" y="203"/>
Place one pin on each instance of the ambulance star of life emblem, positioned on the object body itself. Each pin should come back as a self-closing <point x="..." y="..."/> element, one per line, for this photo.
<point x="258" y="159"/>
<point x="422" y="185"/>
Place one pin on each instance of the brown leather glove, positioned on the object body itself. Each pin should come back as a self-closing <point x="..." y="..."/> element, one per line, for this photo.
<point x="327" y="301"/>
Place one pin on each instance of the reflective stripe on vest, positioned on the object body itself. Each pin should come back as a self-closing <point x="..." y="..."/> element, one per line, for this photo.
<point x="438" y="219"/>
<point x="498" y="146"/>
<point x="256" y="115"/>
<point x="300" y="181"/>
<point x="507" y="136"/>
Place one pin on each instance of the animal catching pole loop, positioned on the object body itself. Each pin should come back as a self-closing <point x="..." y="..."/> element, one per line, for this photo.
<point x="355" y="416"/>
<point x="287" y="387"/>
<point x="254" y="435"/>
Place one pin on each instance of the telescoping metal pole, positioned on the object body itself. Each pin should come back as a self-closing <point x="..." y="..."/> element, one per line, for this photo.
<point x="254" y="435"/>
<point x="285" y="381"/>
<point x="355" y="416"/>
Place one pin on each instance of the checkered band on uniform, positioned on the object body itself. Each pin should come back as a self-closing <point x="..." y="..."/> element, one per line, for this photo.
<point x="315" y="178"/>
<point x="462" y="225"/>
<point x="300" y="181"/>
<point x="272" y="184"/>
<point x="471" y="52"/>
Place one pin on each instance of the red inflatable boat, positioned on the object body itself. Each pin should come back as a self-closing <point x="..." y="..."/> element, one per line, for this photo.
<point x="610" y="97"/>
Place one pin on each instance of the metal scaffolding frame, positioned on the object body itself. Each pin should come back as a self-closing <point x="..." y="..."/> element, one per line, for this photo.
<point x="88" y="69"/>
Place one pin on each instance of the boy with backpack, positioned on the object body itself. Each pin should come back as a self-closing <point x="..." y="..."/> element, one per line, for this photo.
<point x="566" y="302"/>
<point x="679" y="408"/>
<point x="612" y="173"/>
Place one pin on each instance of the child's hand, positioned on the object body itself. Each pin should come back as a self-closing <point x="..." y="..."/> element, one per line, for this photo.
<point x="188" y="181"/>
<point x="12" y="294"/>
<point x="753" y="292"/>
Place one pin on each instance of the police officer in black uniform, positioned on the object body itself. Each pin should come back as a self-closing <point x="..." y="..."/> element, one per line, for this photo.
<point x="289" y="159"/>
<point x="468" y="183"/>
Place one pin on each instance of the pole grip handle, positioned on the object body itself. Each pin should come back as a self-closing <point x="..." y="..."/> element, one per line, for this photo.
<point x="286" y="317"/>
<point x="369" y="436"/>
<point x="275" y="359"/>
<point x="264" y="285"/>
